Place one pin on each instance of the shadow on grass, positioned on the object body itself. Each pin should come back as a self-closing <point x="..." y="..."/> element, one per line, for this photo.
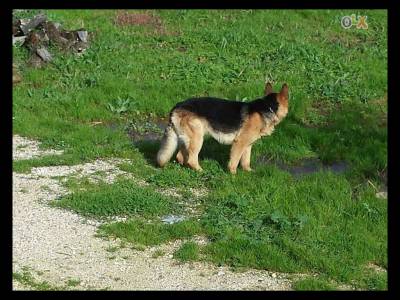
<point x="211" y="150"/>
<point x="149" y="149"/>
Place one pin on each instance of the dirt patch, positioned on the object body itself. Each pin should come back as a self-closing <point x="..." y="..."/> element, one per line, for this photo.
<point x="149" y="20"/>
<point x="375" y="268"/>
<point x="382" y="104"/>
<point x="16" y="78"/>
<point x="380" y="101"/>
<point x="128" y="18"/>
<point x="150" y="130"/>
<point x="350" y="41"/>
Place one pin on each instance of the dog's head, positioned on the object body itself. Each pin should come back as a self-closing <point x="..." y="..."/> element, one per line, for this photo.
<point x="282" y="98"/>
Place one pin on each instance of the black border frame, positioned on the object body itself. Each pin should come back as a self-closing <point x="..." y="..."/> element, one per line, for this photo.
<point x="393" y="150"/>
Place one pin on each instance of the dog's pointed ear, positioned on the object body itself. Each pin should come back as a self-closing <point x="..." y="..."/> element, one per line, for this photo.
<point x="284" y="91"/>
<point x="268" y="88"/>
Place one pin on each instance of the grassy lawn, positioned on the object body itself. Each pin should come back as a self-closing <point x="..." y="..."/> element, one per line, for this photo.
<point x="327" y="223"/>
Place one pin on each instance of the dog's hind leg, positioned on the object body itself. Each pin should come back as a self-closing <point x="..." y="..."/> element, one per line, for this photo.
<point x="194" y="150"/>
<point x="179" y="157"/>
<point x="182" y="155"/>
<point x="195" y="132"/>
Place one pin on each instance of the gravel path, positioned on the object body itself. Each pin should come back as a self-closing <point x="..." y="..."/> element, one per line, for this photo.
<point x="57" y="245"/>
<point x="25" y="149"/>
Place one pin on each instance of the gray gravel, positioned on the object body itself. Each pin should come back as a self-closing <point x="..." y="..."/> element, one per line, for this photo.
<point x="24" y="148"/>
<point x="58" y="245"/>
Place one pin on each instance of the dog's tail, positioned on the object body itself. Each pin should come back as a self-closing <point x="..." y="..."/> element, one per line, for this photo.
<point x="169" y="143"/>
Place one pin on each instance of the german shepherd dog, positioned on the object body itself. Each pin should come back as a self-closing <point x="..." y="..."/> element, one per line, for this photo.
<point x="234" y="123"/>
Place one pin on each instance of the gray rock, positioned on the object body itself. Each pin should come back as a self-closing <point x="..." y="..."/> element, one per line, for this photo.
<point x="57" y="25"/>
<point x="171" y="219"/>
<point x="33" y="23"/>
<point x="18" y="39"/>
<point x="83" y="35"/>
<point x="44" y="54"/>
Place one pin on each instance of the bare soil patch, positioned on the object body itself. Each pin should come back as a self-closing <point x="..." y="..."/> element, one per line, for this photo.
<point x="152" y="22"/>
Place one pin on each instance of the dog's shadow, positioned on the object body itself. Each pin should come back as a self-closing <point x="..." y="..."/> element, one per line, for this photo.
<point x="211" y="150"/>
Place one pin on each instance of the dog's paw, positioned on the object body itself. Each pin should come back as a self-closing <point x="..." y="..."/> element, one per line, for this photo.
<point x="233" y="171"/>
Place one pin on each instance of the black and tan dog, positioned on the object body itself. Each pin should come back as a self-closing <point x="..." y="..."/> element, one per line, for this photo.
<point x="229" y="122"/>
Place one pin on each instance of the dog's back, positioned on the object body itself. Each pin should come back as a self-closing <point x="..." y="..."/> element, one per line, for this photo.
<point x="223" y="115"/>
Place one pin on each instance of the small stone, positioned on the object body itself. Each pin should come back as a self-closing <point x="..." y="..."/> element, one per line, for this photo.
<point x="19" y="39"/>
<point x="68" y="35"/>
<point x="45" y="38"/>
<point x="171" y="219"/>
<point x="381" y="195"/>
<point x="220" y="273"/>
<point x="273" y="275"/>
<point x="23" y="22"/>
<point x="83" y="36"/>
<point x="44" y="54"/>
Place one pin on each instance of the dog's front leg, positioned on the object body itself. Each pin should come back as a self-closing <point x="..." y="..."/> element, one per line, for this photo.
<point x="237" y="149"/>
<point x="267" y="130"/>
<point x="245" y="159"/>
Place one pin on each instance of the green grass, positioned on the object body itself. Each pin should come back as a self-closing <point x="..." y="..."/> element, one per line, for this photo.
<point x="325" y="223"/>
<point x="122" y="198"/>
<point x="313" y="284"/>
<point x="140" y="232"/>
<point x="291" y="225"/>
<point x="370" y="280"/>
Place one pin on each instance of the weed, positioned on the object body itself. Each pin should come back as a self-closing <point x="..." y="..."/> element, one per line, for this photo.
<point x="73" y="282"/>
<point x="188" y="251"/>
<point x="121" y="105"/>
<point x="26" y="279"/>
<point x="112" y="249"/>
<point x="157" y="253"/>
